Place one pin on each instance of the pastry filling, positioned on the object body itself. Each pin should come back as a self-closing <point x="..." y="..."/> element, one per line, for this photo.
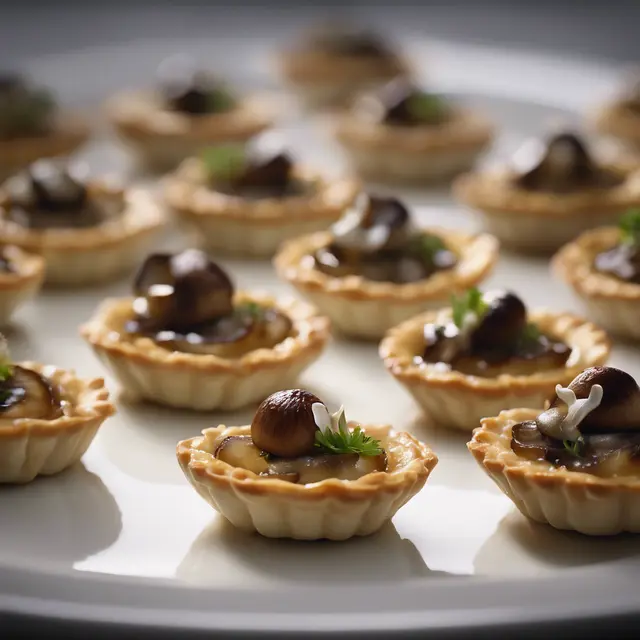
<point x="50" y="195"/>
<point x="593" y="426"/>
<point x="25" y="393"/>
<point x="295" y="438"/>
<point x="399" y="103"/>
<point x="24" y="111"/>
<point x="184" y="302"/>
<point x="561" y="165"/>
<point x="254" y="172"/>
<point x="623" y="260"/>
<point x="189" y="90"/>
<point x="488" y="335"/>
<point x="377" y="240"/>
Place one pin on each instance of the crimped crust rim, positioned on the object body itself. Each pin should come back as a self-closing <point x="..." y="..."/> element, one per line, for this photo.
<point x="494" y="194"/>
<point x="89" y="399"/>
<point x="142" y="214"/>
<point x="615" y="119"/>
<point x="246" y="482"/>
<point x="398" y="359"/>
<point x="310" y="330"/>
<point x="30" y="269"/>
<point x="140" y="115"/>
<point x="573" y="263"/>
<point x="491" y="453"/>
<point x="477" y="255"/>
<point x="201" y="201"/>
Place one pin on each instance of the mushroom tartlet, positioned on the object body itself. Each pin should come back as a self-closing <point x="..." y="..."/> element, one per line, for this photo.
<point x="405" y="134"/>
<point x="553" y="192"/>
<point x="32" y="126"/>
<point x="620" y="118"/>
<point x="189" y="109"/>
<point x="332" y="64"/>
<point x="187" y="339"/>
<point x="376" y="268"/>
<point x="247" y="202"/>
<point x="21" y="276"/>
<point x="576" y="464"/>
<point x="300" y="472"/>
<point x="488" y="353"/>
<point x="48" y="417"/>
<point x="602" y="266"/>
<point x="87" y="231"/>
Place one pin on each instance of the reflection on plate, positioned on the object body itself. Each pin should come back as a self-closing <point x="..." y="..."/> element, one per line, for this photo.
<point x="66" y="518"/>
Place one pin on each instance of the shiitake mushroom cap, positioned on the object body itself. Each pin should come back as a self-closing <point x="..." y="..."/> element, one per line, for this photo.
<point x="284" y="424"/>
<point x="27" y="394"/>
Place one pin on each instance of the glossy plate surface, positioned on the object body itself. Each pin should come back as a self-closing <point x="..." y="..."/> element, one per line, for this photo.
<point x="124" y="537"/>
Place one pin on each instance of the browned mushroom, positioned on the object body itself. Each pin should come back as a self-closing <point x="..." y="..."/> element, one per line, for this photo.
<point x="26" y="394"/>
<point x="240" y="451"/>
<point x="561" y="165"/>
<point x="284" y="424"/>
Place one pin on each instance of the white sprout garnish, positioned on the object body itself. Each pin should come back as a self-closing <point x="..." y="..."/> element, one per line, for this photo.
<point x="578" y="410"/>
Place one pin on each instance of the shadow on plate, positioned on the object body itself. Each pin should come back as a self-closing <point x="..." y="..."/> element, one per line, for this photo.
<point x="541" y="543"/>
<point x="65" y="518"/>
<point x="383" y="556"/>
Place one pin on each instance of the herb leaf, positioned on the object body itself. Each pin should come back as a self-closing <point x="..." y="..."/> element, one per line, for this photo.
<point x="531" y="333"/>
<point x="345" y="441"/>
<point x="220" y="100"/>
<point x="252" y="308"/>
<point x="574" y="448"/>
<point x="428" y="245"/>
<point x="470" y="302"/>
<point x="630" y="227"/>
<point x="427" y="107"/>
<point x="225" y="162"/>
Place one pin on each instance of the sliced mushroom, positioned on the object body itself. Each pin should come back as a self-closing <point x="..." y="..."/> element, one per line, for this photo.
<point x="240" y="451"/>
<point x="26" y="394"/>
<point x="623" y="262"/>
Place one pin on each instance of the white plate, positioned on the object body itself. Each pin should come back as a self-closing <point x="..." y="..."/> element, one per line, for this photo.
<point x="124" y="537"/>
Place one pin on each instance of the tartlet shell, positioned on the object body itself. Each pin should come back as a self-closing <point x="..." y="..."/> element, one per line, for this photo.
<point x="206" y="382"/>
<point x="564" y="499"/>
<point x="20" y="286"/>
<point x="539" y="222"/>
<point x="161" y="139"/>
<point x="431" y="153"/>
<point x="612" y="303"/>
<point x="77" y="257"/>
<point x="332" y="509"/>
<point x="30" y="447"/>
<point x="365" y="309"/>
<point x="69" y="132"/>
<point x="323" y="80"/>
<point x="458" y="401"/>
<point x="254" y="228"/>
<point x="617" y="121"/>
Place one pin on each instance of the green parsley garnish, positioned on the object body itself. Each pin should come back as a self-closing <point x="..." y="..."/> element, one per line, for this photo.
<point x="630" y="227"/>
<point x="427" y="246"/>
<point x="343" y="440"/>
<point x="531" y="333"/>
<point x="471" y="302"/>
<point x="6" y="371"/>
<point x="427" y="107"/>
<point x="252" y="308"/>
<point x="220" y="100"/>
<point x="225" y="162"/>
<point x="573" y="447"/>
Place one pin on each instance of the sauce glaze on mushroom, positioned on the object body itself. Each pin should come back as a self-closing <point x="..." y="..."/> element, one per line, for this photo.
<point x="592" y="426"/>
<point x="376" y="239"/>
<point x="490" y="334"/>
<point x="185" y="302"/>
